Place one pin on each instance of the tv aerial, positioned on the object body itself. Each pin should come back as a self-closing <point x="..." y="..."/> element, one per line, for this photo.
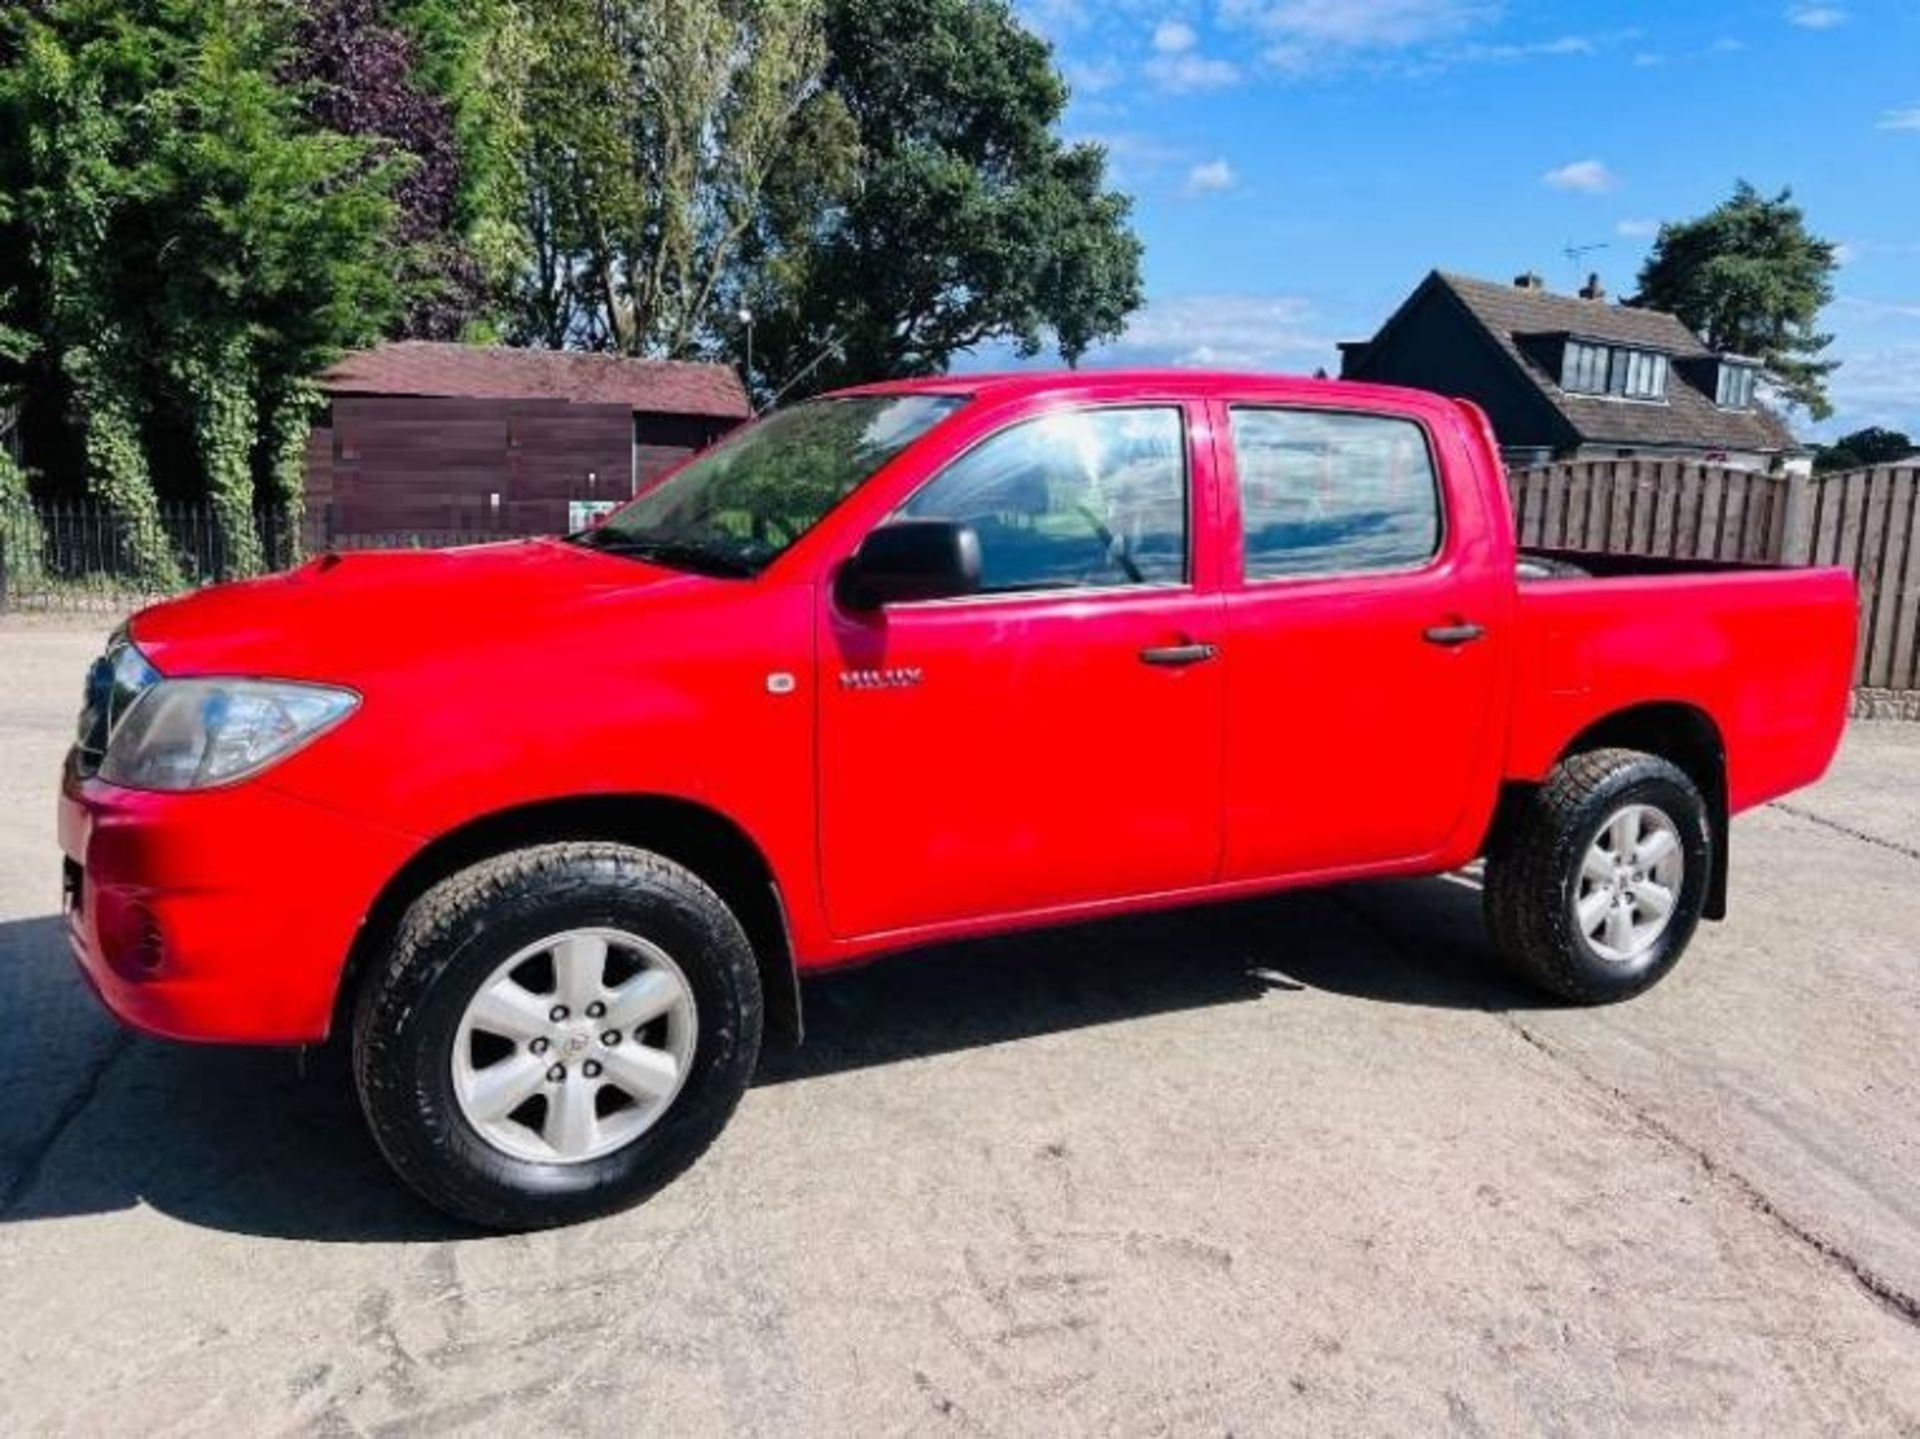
<point x="1577" y="254"/>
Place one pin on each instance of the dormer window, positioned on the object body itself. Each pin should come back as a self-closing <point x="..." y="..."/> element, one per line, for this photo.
<point x="1639" y="374"/>
<point x="1584" y="370"/>
<point x="1590" y="369"/>
<point x="1733" y="389"/>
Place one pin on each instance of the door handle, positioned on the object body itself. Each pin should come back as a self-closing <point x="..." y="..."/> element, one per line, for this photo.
<point x="1176" y="655"/>
<point x="1460" y="634"/>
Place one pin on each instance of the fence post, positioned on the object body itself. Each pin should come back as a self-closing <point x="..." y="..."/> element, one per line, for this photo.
<point x="1796" y="525"/>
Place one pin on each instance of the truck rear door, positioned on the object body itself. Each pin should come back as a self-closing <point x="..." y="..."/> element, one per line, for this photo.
<point x="1365" y="618"/>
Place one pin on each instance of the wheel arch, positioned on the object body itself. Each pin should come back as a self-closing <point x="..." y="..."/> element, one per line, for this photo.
<point x="1685" y="736"/>
<point x="702" y="839"/>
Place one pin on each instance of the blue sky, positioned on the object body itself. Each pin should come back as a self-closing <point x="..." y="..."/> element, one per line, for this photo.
<point x="1298" y="165"/>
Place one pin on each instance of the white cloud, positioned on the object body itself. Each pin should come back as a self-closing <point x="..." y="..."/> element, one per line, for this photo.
<point x="1093" y="77"/>
<point x="1906" y="118"/>
<point x="1649" y="59"/>
<point x="1882" y="310"/>
<point x="1054" y="18"/>
<point x="1303" y="36"/>
<point x="1211" y="178"/>
<point x="1135" y="160"/>
<point x="1727" y="45"/>
<point x="1637" y="229"/>
<point x="1816" y="17"/>
<point x="1508" y="51"/>
<point x="1359" y="24"/>
<point x="1229" y="331"/>
<point x="1172" y="37"/>
<point x="1588" y="177"/>
<point x="1875" y="387"/>
<point x="1187" y="72"/>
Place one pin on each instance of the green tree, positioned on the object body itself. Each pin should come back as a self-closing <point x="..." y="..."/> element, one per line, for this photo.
<point x="970" y="220"/>
<point x="473" y="55"/>
<point x="1749" y="278"/>
<point x="1862" y="448"/>
<point x="879" y="183"/>
<point x="191" y="251"/>
<point x="652" y="131"/>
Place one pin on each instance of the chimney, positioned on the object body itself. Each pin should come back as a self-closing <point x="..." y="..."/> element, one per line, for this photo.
<point x="1594" y="290"/>
<point x="1529" y="281"/>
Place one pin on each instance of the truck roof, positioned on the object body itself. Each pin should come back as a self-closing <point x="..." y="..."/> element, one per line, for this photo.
<point x="1021" y="384"/>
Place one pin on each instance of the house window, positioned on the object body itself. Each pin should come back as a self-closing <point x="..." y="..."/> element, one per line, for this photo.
<point x="1638" y="374"/>
<point x="1584" y="369"/>
<point x="1735" y="388"/>
<point x="1590" y="369"/>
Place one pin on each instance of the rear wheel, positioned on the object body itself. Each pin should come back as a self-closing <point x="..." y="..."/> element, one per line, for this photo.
<point x="556" y="1033"/>
<point x="1595" y="885"/>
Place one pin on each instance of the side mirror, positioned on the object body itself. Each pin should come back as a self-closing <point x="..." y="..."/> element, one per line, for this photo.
<point x="911" y="560"/>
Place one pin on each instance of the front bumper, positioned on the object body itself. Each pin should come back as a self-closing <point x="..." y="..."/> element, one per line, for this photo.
<point x="222" y="915"/>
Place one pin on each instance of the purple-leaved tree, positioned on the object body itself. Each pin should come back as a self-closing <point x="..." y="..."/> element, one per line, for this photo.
<point x="358" y="73"/>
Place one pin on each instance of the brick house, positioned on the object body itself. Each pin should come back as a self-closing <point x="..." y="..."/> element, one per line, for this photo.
<point x="1575" y="376"/>
<point x="447" y="439"/>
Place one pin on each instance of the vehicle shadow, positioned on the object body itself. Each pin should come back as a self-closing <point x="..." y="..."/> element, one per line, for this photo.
<point x="270" y="1142"/>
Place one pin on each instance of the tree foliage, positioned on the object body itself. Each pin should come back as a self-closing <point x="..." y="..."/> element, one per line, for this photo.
<point x="190" y="249"/>
<point x="204" y="202"/>
<point x="358" y="73"/>
<point x="970" y="220"/>
<point x="652" y="131"/>
<point x="879" y="183"/>
<point x="1749" y="278"/>
<point x="1863" y="448"/>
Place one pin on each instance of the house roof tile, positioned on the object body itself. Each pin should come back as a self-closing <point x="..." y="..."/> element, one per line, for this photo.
<point x="1688" y="418"/>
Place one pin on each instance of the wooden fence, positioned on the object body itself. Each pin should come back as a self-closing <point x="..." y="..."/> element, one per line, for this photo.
<point x="1867" y="521"/>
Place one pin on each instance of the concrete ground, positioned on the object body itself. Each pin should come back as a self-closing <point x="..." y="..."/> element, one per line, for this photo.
<point x="1307" y="1164"/>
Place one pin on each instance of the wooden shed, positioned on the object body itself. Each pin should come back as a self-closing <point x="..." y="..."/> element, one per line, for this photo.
<point x="444" y="440"/>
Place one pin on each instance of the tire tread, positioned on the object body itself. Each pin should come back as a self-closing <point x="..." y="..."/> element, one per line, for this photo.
<point x="392" y="994"/>
<point x="1525" y="912"/>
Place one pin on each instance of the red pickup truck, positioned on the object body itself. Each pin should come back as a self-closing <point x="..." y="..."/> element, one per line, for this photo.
<point x="552" y="828"/>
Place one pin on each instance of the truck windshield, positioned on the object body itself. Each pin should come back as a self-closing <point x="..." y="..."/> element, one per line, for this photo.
<point x="735" y="509"/>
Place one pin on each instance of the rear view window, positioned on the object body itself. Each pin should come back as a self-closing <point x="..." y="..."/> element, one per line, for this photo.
<point x="1324" y="493"/>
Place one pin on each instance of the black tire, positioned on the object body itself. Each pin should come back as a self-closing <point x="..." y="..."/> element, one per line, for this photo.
<point x="1543" y="567"/>
<point x="453" y="938"/>
<point x="1533" y="870"/>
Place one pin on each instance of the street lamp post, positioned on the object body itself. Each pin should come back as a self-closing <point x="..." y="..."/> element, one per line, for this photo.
<point x="745" y="317"/>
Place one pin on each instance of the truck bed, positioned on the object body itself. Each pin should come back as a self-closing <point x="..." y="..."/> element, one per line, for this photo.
<point x="1767" y="652"/>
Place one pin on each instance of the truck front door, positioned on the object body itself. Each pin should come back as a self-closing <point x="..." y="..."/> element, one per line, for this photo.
<point x="1055" y="739"/>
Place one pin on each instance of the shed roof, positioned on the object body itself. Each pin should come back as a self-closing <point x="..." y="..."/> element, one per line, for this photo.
<point x="497" y="372"/>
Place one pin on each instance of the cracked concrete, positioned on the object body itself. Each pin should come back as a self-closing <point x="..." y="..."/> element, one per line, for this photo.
<point x="1310" y="1164"/>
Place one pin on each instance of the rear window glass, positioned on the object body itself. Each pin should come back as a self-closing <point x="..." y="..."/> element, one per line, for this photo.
<point x="1329" y="493"/>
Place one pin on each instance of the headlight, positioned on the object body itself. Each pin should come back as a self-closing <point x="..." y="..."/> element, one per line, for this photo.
<point x="115" y="681"/>
<point x="195" y="733"/>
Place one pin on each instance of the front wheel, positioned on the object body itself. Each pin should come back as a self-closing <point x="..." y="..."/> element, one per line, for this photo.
<point x="1596" y="883"/>
<point x="556" y="1033"/>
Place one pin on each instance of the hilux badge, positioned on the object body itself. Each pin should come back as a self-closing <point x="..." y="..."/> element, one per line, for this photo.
<point x="893" y="679"/>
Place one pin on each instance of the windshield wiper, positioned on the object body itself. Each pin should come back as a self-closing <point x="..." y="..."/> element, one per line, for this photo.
<point x="695" y="555"/>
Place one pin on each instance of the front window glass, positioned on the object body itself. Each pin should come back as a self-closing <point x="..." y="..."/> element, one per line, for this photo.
<point x="1328" y="493"/>
<point x="1085" y="497"/>
<point x="737" y="507"/>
